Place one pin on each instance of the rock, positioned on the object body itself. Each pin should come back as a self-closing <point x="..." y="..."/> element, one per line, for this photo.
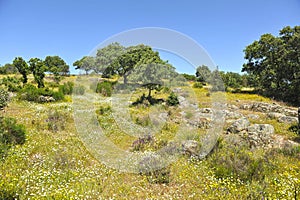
<point x="260" y="135"/>
<point x="253" y="116"/>
<point x="190" y="147"/>
<point x="287" y="119"/>
<point x="232" y="115"/>
<point x="51" y="99"/>
<point x="42" y="99"/>
<point x="246" y="106"/>
<point x="205" y="110"/>
<point x="290" y="112"/>
<point x="200" y="122"/>
<point x="232" y="107"/>
<point x="274" y="115"/>
<point x="239" y="125"/>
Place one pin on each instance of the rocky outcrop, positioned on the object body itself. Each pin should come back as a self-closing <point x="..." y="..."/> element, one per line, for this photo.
<point x="260" y="135"/>
<point x="190" y="147"/>
<point x="269" y="108"/>
<point x="239" y="126"/>
<point x="288" y="119"/>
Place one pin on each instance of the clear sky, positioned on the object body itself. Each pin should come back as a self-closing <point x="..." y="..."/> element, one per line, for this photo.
<point x="72" y="28"/>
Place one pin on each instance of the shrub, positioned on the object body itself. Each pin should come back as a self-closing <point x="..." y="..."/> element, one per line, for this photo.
<point x="103" y="110"/>
<point x="31" y="93"/>
<point x="3" y="98"/>
<point x="197" y="85"/>
<point x="153" y="168"/>
<point x="66" y="88"/>
<point x="235" y="159"/>
<point x="79" y="90"/>
<point x="105" y="88"/>
<point x="56" y="120"/>
<point x="141" y="143"/>
<point x="12" y="84"/>
<point x="172" y="99"/>
<point x="11" y="134"/>
<point x="295" y="128"/>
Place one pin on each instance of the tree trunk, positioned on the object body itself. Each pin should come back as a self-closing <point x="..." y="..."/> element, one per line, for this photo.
<point x="299" y="119"/>
<point x="125" y="79"/>
<point x="149" y="93"/>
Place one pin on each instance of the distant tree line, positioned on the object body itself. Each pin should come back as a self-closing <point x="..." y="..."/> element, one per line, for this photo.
<point x="38" y="67"/>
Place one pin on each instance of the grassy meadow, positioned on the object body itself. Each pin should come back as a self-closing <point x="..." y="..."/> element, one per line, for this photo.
<point x="54" y="163"/>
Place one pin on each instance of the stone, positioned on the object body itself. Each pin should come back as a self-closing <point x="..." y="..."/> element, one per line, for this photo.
<point x="232" y="115"/>
<point x="232" y="107"/>
<point x="290" y="112"/>
<point x="274" y="115"/>
<point x="253" y="116"/>
<point x="205" y="110"/>
<point x="190" y="147"/>
<point x="260" y="135"/>
<point x="246" y="106"/>
<point x="239" y="125"/>
<point x="42" y="99"/>
<point x="287" y="119"/>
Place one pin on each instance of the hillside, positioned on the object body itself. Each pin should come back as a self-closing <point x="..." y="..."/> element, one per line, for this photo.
<point x="256" y="155"/>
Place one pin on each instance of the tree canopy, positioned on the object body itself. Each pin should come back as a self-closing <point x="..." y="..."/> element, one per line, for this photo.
<point x="38" y="69"/>
<point x="274" y="62"/>
<point x="57" y="66"/>
<point x="22" y="67"/>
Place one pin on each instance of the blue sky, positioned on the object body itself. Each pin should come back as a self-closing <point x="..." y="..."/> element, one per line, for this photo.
<point x="71" y="29"/>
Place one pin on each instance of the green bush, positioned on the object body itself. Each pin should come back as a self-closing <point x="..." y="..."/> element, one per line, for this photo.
<point x="32" y="93"/>
<point x="13" y="84"/>
<point x="172" y="99"/>
<point x="197" y="85"/>
<point x="11" y="134"/>
<point x="66" y="88"/>
<point x="79" y="90"/>
<point x="3" y="98"/>
<point x="105" y="88"/>
<point x="103" y="110"/>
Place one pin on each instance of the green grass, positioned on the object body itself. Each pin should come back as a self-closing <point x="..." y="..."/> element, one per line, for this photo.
<point x="56" y="165"/>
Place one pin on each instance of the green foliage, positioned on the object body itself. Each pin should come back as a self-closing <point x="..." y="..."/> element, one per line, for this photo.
<point x="232" y="80"/>
<point x="57" y="66"/>
<point x="105" y="88"/>
<point x="197" y="85"/>
<point x="8" y="69"/>
<point x="134" y="57"/>
<point x="12" y="84"/>
<point x="66" y="88"/>
<point x="38" y="69"/>
<point x="203" y="74"/>
<point x="274" y="64"/>
<point x="11" y="134"/>
<point x="87" y="63"/>
<point x="233" y="158"/>
<point x="189" y="77"/>
<point x="31" y="93"/>
<point x="3" y="98"/>
<point x="22" y="67"/>
<point x="172" y="99"/>
<point x="8" y="194"/>
<point x="295" y="128"/>
<point x="104" y="109"/>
